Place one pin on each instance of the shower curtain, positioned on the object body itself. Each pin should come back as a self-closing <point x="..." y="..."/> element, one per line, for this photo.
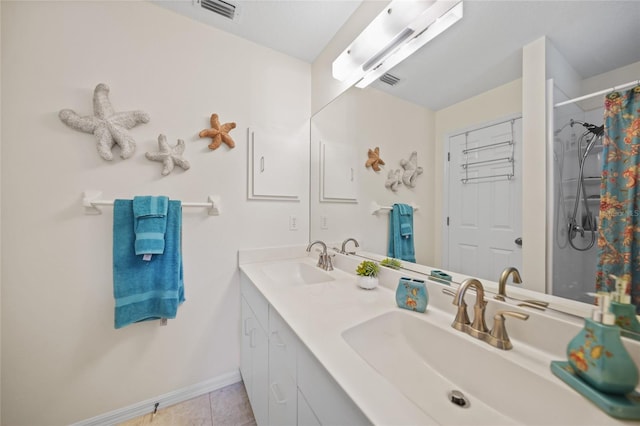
<point x="619" y="231"/>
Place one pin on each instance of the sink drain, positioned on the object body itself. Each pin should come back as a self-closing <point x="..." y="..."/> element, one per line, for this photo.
<point x="458" y="398"/>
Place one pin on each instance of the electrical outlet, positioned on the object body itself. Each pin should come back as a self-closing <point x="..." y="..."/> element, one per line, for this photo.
<point x="323" y="222"/>
<point x="293" y="223"/>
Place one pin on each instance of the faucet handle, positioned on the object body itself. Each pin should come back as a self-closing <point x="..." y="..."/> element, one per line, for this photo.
<point x="498" y="336"/>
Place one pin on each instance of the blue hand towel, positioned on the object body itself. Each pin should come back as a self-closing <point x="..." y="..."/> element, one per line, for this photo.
<point x="401" y="233"/>
<point x="146" y="290"/>
<point x="150" y="223"/>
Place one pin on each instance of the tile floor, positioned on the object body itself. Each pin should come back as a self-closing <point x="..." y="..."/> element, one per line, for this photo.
<point x="228" y="406"/>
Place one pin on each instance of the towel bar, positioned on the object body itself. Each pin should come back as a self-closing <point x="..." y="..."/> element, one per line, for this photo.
<point x="376" y="208"/>
<point x="92" y="203"/>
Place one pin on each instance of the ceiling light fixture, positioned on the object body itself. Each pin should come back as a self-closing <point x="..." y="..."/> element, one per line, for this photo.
<point x="401" y="28"/>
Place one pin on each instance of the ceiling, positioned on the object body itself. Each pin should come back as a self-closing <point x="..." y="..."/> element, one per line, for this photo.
<point x="480" y="52"/>
<point x="299" y="28"/>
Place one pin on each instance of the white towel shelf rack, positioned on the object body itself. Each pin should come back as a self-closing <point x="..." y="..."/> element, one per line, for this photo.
<point x="376" y="208"/>
<point x="91" y="202"/>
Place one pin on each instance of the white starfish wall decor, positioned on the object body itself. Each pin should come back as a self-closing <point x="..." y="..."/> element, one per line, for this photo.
<point x="394" y="180"/>
<point x="411" y="170"/>
<point x="170" y="156"/>
<point x="108" y="126"/>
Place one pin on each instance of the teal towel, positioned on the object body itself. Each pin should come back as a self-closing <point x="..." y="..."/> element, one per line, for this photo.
<point x="146" y="290"/>
<point x="150" y="221"/>
<point x="401" y="233"/>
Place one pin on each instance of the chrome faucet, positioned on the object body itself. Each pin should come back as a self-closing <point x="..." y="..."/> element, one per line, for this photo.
<point x="344" y="244"/>
<point x="502" y="289"/>
<point x="498" y="336"/>
<point x="324" y="261"/>
<point x="478" y="327"/>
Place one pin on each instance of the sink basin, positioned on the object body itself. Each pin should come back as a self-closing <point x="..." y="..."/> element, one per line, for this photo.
<point x="426" y="362"/>
<point x="294" y="273"/>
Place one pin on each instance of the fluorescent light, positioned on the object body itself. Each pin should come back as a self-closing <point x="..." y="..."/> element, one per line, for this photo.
<point x="401" y="28"/>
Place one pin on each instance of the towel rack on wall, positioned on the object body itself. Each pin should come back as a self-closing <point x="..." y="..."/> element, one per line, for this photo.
<point x="92" y="203"/>
<point x="376" y="208"/>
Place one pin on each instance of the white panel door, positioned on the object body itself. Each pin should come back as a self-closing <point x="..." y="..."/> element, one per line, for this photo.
<point x="484" y="208"/>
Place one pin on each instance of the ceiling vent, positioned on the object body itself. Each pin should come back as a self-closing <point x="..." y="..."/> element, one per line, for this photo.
<point x="222" y="8"/>
<point x="390" y="79"/>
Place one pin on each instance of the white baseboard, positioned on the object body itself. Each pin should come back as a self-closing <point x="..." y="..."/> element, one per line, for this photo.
<point x="145" y="407"/>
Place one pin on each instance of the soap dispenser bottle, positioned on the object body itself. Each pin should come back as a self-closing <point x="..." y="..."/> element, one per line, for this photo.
<point x="621" y="307"/>
<point x="598" y="356"/>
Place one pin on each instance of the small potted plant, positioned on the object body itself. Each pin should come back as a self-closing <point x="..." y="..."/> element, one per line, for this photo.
<point x="391" y="263"/>
<point x="368" y="274"/>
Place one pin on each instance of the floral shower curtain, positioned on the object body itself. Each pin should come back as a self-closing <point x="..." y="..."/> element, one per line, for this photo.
<point x="619" y="231"/>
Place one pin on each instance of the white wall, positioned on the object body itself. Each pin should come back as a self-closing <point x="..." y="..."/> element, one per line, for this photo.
<point x="366" y="119"/>
<point x="533" y="170"/>
<point x="62" y="360"/>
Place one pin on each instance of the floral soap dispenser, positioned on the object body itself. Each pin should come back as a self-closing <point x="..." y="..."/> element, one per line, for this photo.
<point x="598" y="356"/>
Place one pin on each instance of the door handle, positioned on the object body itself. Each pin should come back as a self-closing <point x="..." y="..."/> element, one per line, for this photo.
<point x="518" y="241"/>
<point x="275" y="390"/>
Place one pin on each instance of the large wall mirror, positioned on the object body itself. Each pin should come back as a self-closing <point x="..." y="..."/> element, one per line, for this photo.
<point x="469" y="78"/>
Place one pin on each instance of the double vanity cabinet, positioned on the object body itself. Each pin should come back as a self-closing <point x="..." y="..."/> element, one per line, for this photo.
<point x="318" y="350"/>
<point x="285" y="383"/>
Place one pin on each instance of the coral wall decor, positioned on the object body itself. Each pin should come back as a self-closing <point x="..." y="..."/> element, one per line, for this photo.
<point x="374" y="161"/>
<point x="411" y="170"/>
<point x="108" y="126"/>
<point x="219" y="133"/>
<point x="170" y="156"/>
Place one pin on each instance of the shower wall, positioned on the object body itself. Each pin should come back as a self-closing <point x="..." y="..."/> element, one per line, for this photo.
<point x="573" y="271"/>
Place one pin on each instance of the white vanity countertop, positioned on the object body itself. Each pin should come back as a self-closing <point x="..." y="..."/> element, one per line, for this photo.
<point x="320" y="313"/>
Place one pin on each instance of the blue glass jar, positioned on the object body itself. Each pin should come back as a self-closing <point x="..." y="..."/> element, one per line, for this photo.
<point x="600" y="359"/>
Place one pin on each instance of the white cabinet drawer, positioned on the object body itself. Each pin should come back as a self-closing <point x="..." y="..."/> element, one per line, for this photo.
<point x="331" y="405"/>
<point x="283" y="344"/>
<point x="283" y="398"/>
<point x="256" y="301"/>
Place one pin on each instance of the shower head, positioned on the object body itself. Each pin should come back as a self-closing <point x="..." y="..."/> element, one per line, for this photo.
<point x="596" y="130"/>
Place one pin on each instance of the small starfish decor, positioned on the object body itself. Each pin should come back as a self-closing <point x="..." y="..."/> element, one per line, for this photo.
<point x="374" y="160"/>
<point x="108" y="126"/>
<point x="170" y="156"/>
<point x="218" y="133"/>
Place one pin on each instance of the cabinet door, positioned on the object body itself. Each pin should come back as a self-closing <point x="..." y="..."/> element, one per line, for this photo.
<point x="282" y="397"/>
<point x="306" y="416"/>
<point x="260" y="367"/>
<point x="274" y="170"/>
<point x="254" y="363"/>
<point x="247" y="325"/>
<point x="282" y="371"/>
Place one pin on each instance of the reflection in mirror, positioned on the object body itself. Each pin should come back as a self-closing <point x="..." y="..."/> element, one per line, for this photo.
<point x="440" y="95"/>
<point x="366" y="120"/>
